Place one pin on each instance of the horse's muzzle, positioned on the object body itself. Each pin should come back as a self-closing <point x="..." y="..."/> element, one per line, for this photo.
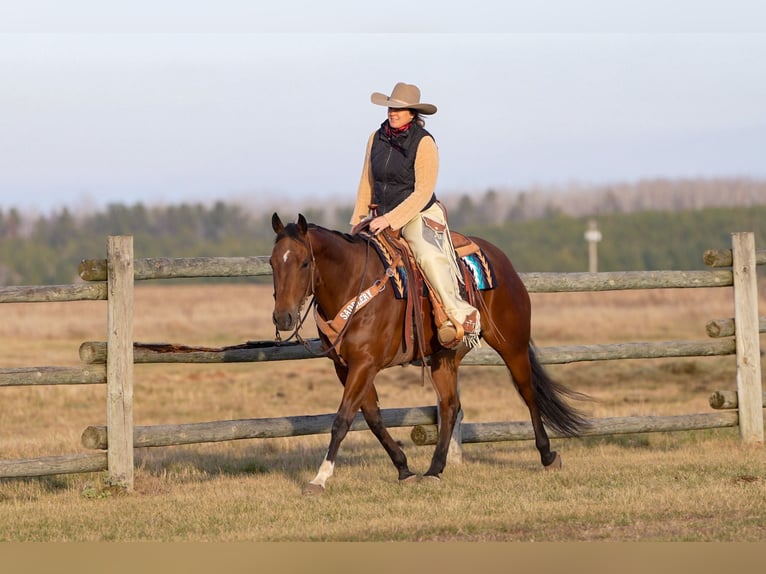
<point x="285" y="320"/>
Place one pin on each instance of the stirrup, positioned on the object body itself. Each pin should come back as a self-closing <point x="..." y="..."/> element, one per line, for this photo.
<point x="449" y="335"/>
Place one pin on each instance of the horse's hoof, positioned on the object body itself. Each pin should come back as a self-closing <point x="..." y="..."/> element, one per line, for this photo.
<point x="313" y="489"/>
<point x="556" y="464"/>
<point x="409" y="480"/>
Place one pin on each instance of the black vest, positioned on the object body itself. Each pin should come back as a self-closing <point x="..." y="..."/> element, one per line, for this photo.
<point x="392" y="161"/>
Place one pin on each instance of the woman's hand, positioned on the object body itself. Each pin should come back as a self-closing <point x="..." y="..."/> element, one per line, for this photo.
<point x="378" y="224"/>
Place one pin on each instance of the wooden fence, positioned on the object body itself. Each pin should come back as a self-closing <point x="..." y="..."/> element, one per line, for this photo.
<point x="113" y="279"/>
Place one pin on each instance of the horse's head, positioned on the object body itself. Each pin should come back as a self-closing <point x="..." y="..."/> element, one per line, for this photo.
<point x="292" y="265"/>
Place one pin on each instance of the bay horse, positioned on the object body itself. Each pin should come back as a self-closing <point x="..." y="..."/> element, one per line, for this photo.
<point x="335" y="268"/>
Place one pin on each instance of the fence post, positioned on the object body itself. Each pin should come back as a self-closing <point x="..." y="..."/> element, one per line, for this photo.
<point x="119" y="361"/>
<point x="746" y="335"/>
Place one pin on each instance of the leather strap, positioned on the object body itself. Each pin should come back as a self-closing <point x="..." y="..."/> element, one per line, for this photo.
<point x="334" y="328"/>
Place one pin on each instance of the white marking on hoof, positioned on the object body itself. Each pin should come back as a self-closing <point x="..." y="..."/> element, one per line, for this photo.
<point x="325" y="472"/>
<point x="412" y="479"/>
<point x="311" y="489"/>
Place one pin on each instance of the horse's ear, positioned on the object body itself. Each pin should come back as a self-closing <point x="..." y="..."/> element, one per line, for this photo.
<point x="302" y="224"/>
<point x="276" y="223"/>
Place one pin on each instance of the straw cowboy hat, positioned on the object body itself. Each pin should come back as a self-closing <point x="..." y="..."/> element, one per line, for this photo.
<point x="403" y="96"/>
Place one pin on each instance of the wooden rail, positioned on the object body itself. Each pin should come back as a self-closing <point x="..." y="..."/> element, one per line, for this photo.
<point x="183" y="267"/>
<point x="729" y="400"/>
<point x="52" y="376"/>
<point x="95" y="352"/>
<point x="504" y="431"/>
<point x="95" y="437"/>
<point x="50" y="293"/>
<point x="63" y="464"/>
<point x="725" y="327"/>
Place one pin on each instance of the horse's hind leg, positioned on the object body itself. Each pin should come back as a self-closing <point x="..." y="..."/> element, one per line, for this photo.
<point x="515" y="355"/>
<point x="521" y="370"/>
<point x="372" y="415"/>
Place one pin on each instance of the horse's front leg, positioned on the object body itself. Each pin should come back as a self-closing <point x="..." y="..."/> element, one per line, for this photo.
<point x="444" y="377"/>
<point x="357" y="384"/>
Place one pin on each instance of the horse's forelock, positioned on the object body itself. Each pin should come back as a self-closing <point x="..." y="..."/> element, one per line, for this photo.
<point x="290" y="230"/>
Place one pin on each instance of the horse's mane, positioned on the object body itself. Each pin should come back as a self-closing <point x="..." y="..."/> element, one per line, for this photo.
<point x="346" y="236"/>
<point x="291" y="230"/>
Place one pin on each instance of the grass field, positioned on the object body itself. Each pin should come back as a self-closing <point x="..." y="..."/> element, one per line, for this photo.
<point x="696" y="486"/>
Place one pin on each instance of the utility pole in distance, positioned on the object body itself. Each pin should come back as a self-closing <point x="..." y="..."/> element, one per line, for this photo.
<point x="592" y="236"/>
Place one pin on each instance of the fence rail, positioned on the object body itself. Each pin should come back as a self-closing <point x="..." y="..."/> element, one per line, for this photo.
<point x="504" y="431"/>
<point x="52" y="376"/>
<point x="53" y="293"/>
<point x="112" y="279"/>
<point x="94" y="352"/>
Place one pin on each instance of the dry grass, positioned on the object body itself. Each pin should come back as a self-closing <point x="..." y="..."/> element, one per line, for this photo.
<point x="666" y="486"/>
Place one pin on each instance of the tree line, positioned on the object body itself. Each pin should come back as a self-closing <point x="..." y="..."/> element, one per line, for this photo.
<point x="46" y="250"/>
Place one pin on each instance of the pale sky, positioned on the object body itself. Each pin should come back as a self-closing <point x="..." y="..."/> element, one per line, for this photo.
<point x="267" y="102"/>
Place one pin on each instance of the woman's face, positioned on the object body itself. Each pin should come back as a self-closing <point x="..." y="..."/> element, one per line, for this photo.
<point x="398" y="117"/>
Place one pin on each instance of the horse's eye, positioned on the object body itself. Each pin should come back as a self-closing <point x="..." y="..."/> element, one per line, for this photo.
<point x="305" y="264"/>
<point x="270" y="263"/>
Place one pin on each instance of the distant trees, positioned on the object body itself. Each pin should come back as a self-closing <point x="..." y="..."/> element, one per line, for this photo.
<point x="498" y="205"/>
<point x="631" y="241"/>
<point x="484" y="210"/>
<point x="50" y="249"/>
<point x="660" y="224"/>
<point x="10" y="224"/>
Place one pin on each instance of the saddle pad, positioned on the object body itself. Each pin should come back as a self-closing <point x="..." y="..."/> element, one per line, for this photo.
<point x="399" y="277"/>
<point x="481" y="270"/>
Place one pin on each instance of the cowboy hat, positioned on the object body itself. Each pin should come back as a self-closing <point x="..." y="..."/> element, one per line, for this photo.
<point x="403" y="96"/>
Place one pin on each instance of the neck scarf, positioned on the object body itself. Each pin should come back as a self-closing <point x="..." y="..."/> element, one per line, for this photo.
<point x="393" y="133"/>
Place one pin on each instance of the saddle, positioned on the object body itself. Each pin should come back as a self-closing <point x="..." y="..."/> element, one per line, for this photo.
<point x="410" y="283"/>
<point x="464" y="248"/>
<point x="404" y="277"/>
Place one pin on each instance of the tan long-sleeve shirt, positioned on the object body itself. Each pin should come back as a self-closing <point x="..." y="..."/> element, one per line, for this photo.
<point x="426" y="172"/>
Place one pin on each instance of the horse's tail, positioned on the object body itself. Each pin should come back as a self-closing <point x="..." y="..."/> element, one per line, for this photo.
<point x="550" y="395"/>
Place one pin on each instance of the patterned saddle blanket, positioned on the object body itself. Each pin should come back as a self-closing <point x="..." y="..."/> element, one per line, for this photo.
<point x="473" y="263"/>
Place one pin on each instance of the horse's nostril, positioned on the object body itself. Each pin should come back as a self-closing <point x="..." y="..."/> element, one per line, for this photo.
<point x="284" y="320"/>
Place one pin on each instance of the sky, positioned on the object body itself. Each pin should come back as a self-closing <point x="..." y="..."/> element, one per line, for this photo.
<point x="269" y="103"/>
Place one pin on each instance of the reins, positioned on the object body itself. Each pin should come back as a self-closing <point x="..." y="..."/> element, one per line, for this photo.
<point x="278" y="338"/>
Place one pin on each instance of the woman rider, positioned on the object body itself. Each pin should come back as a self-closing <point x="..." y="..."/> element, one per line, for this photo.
<point x="396" y="191"/>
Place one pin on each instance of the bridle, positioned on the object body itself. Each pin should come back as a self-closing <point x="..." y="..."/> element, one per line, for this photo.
<point x="314" y="274"/>
<point x="309" y="291"/>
